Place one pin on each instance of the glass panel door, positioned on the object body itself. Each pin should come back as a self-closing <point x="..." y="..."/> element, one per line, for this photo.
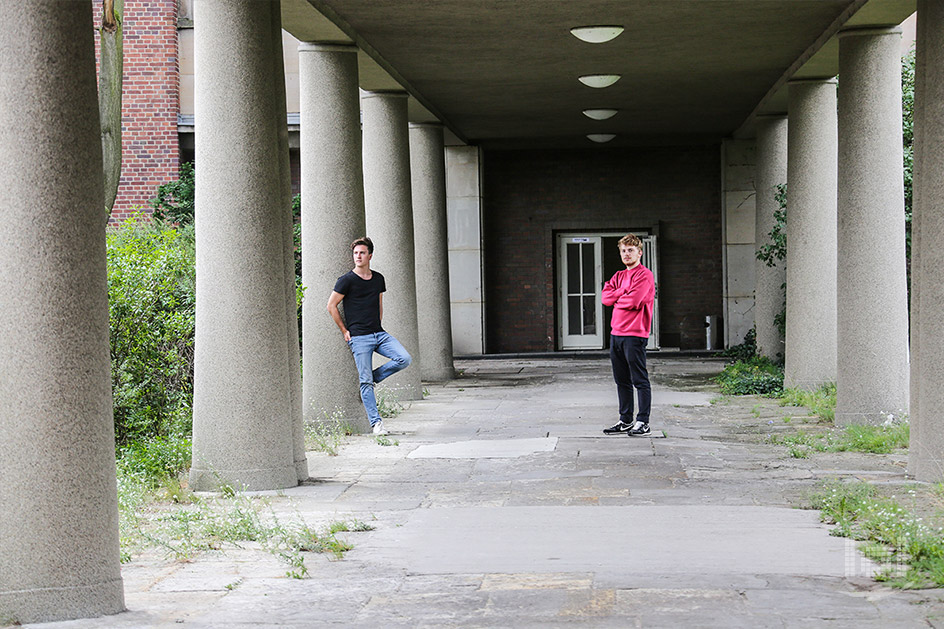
<point x="581" y="311"/>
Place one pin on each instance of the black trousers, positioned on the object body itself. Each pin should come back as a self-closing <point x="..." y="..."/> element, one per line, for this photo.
<point x="628" y="356"/>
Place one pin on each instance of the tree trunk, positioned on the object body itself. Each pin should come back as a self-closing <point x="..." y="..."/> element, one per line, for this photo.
<point x="109" y="96"/>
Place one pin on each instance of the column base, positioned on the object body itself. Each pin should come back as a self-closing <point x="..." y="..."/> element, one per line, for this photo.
<point x="301" y="470"/>
<point x="874" y="418"/>
<point x="244" y="480"/>
<point x="62" y="603"/>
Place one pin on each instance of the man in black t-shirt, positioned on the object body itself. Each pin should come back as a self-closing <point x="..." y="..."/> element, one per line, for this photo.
<point x="362" y="292"/>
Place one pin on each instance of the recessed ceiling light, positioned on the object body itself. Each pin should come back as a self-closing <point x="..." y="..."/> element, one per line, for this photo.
<point x="599" y="80"/>
<point x="600" y="114"/>
<point x="596" y="34"/>
<point x="601" y="137"/>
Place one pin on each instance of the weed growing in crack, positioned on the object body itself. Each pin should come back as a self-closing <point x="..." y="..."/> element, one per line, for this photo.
<point x="228" y="520"/>
<point x="327" y="435"/>
<point x="388" y="401"/>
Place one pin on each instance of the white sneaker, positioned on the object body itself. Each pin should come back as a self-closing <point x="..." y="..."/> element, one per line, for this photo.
<point x="379" y="429"/>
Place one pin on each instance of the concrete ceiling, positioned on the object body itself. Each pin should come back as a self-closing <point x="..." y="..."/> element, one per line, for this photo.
<point x="503" y="73"/>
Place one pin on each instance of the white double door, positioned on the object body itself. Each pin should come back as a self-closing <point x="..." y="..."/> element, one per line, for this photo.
<point x="581" y="279"/>
<point x="583" y="268"/>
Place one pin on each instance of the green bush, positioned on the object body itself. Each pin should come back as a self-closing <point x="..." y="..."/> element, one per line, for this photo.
<point x="151" y="296"/>
<point x="754" y="376"/>
<point x="745" y="350"/>
<point x="175" y="199"/>
<point x="156" y="460"/>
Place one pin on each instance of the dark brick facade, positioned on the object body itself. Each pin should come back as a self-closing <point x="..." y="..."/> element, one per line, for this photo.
<point x="150" y="145"/>
<point x="530" y="196"/>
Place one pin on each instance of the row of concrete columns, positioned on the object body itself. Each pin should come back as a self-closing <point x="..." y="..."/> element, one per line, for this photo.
<point x="59" y="551"/>
<point x="386" y="181"/>
<point x="847" y="302"/>
<point x="250" y="405"/>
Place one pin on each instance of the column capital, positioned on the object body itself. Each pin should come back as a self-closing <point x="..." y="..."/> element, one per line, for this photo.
<point x="313" y="46"/>
<point x="810" y="81"/>
<point x="871" y="30"/>
<point x="365" y="94"/>
<point x="430" y="124"/>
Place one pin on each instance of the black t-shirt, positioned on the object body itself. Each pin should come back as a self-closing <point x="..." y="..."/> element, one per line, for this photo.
<point x="361" y="301"/>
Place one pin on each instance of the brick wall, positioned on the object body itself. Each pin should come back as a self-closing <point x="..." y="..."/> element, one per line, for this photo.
<point x="150" y="151"/>
<point x="531" y="195"/>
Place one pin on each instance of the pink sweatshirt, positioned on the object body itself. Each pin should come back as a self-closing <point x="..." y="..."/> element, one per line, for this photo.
<point x="630" y="292"/>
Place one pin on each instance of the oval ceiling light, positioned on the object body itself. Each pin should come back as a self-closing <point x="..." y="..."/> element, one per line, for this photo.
<point x="599" y="80"/>
<point x="601" y="137"/>
<point x="596" y="34"/>
<point x="600" y="114"/>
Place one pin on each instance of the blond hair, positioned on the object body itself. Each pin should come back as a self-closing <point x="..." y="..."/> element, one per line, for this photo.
<point x="631" y="240"/>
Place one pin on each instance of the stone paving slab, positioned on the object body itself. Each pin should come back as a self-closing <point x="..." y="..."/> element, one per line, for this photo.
<point x="485" y="448"/>
<point x="634" y="540"/>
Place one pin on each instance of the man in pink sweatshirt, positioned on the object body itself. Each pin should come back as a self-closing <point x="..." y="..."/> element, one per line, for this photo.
<point x="631" y="293"/>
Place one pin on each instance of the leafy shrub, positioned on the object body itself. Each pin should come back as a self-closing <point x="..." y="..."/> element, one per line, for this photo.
<point x="745" y="350"/>
<point x="175" y="199"/>
<point x="754" y="376"/>
<point x="156" y="460"/>
<point x="151" y="298"/>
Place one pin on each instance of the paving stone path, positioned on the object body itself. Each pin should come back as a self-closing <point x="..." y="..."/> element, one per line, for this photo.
<point x="500" y="503"/>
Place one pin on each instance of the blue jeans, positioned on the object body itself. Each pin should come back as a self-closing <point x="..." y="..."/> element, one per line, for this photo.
<point x="363" y="347"/>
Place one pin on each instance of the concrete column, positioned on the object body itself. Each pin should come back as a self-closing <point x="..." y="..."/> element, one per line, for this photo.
<point x="872" y="294"/>
<point x="739" y="251"/>
<point x="771" y="171"/>
<point x="389" y="212"/>
<point x="288" y="248"/>
<point x="926" y="452"/>
<point x="332" y="218"/>
<point x="810" y="359"/>
<point x="464" y="221"/>
<point x="243" y="433"/>
<point x="59" y="554"/>
<point x="428" y="174"/>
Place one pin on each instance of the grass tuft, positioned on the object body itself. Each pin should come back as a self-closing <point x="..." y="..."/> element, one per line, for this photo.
<point x="854" y="438"/>
<point x="821" y="402"/>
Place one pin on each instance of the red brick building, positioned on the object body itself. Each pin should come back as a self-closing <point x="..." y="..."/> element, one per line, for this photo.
<point x="150" y="144"/>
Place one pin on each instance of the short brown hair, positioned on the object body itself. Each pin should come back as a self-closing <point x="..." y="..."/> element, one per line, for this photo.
<point x="631" y="240"/>
<point x="367" y="242"/>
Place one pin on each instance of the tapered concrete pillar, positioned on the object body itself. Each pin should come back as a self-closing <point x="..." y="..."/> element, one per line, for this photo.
<point x="243" y="433"/>
<point x="811" y="235"/>
<point x="872" y="294"/>
<point x="771" y="171"/>
<point x="332" y="218"/>
<point x="59" y="555"/>
<point x="428" y="174"/>
<point x="288" y="248"/>
<point x="389" y="212"/>
<point x="926" y="452"/>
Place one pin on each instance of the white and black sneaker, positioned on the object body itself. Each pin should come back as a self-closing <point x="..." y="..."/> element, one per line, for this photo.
<point x="639" y="428"/>
<point x="378" y="429"/>
<point x="619" y="428"/>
